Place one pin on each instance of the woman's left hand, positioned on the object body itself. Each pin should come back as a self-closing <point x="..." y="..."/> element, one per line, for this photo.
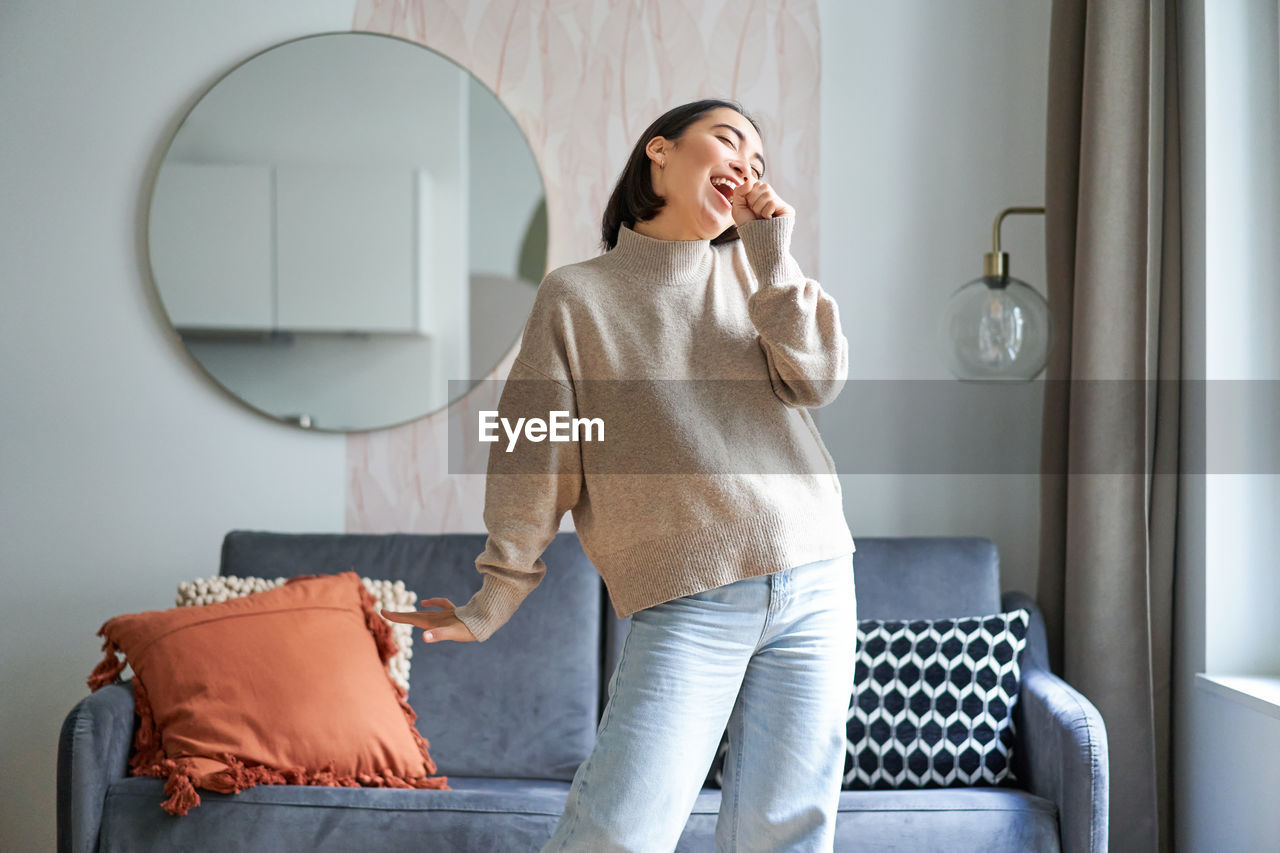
<point x="754" y="199"/>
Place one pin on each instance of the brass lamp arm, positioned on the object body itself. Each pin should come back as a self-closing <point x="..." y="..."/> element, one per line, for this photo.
<point x="995" y="264"/>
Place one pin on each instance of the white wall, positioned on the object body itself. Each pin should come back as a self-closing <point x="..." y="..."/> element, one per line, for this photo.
<point x="933" y="121"/>
<point x="123" y="465"/>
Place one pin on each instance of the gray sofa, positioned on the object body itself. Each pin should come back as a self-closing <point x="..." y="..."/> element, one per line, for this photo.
<point x="509" y="721"/>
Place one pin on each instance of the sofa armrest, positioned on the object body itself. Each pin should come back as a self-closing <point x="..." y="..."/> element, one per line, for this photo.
<point x="1061" y="752"/>
<point x="1064" y="745"/>
<point x="93" y="752"/>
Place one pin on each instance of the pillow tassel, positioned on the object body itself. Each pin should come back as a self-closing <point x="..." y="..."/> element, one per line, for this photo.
<point x="378" y="626"/>
<point x="239" y="776"/>
<point x="182" y="794"/>
<point x="109" y="668"/>
<point x="387" y="779"/>
<point x="328" y="775"/>
<point x="148" y="751"/>
<point x="382" y="634"/>
<point x="386" y="641"/>
<point x="423" y="744"/>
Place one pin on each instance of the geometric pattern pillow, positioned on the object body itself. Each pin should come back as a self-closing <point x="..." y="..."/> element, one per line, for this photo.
<point x="388" y="595"/>
<point x="933" y="700"/>
<point x="931" y="705"/>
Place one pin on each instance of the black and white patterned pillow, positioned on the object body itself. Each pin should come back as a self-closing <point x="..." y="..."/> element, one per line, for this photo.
<point x="932" y="704"/>
<point x="933" y="700"/>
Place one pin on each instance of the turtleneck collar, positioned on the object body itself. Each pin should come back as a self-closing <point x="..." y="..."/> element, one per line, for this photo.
<point x="668" y="262"/>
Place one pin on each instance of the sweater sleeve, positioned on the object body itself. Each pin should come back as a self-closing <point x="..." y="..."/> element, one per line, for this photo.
<point x="530" y="488"/>
<point x="797" y="321"/>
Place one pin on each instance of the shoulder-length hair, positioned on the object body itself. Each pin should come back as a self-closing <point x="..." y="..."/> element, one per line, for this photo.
<point x="634" y="199"/>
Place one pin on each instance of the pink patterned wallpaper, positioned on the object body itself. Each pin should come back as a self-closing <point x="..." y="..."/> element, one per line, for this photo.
<point x="583" y="79"/>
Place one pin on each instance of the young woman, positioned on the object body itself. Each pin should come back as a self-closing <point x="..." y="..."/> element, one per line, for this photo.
<point x="716" y="521"/>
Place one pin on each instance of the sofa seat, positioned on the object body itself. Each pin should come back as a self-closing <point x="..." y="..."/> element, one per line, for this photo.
<point x="519" y="814"/>
<point x="479" y="814"/>
<point x="957" y="820"/>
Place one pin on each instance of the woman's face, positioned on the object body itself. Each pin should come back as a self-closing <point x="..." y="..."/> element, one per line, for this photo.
<point x="722" y="144"/>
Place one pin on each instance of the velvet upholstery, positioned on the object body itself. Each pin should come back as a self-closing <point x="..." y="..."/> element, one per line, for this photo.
<point x="1063" y="743"/>
<point x="553" y="660"/>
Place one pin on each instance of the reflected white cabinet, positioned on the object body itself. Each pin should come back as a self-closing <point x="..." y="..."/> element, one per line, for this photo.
<point x="211" y="245"/>
<point x="347" y="250"/>
<point x="297" y="248"/>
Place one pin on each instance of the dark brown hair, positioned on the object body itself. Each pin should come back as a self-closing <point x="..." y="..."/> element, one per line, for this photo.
<point x="634" y="199"/>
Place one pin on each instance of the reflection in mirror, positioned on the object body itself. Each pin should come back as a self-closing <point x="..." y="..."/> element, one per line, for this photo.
<point x="343" y="224"/>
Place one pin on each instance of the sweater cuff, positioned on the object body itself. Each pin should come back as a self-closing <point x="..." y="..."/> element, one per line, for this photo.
<point x="489" y="609"/>
<point x="768" y="246"/>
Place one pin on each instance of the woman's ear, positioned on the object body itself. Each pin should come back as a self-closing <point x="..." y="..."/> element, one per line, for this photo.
<point x="657" y="150"/>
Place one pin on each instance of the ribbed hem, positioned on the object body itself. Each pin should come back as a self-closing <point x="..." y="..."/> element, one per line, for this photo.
<point x="668" y="567"/>
<point x="490" y="608"/>
<point x="768" y="246"/>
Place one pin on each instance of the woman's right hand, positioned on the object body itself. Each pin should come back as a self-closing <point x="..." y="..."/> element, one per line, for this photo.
<point x="437" y="624"/>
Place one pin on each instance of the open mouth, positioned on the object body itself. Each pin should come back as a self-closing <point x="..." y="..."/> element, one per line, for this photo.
<point x="725" y="193"/>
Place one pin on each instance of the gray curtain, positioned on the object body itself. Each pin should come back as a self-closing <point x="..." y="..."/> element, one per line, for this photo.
<point x="1111" y="412"/>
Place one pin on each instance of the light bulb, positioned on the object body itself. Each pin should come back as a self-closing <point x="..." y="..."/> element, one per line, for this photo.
<point x="996" y="328"/>
<point x="1000" y="330"/>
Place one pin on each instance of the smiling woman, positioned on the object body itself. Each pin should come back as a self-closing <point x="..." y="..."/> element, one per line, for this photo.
<point x="695" y="174"/>
<point x="700" y="340"/>
<point x="722" y="569"/>
<point x="742" y="139"/>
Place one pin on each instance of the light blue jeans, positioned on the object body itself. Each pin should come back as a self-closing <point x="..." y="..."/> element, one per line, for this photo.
<point x="770" y="656"/>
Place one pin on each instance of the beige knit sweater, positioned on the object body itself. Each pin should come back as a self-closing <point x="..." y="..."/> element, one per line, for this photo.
<point x="701" y="362"/>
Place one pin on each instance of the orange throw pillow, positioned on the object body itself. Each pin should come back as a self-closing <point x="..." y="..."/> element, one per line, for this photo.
<point x="283" y="687"/>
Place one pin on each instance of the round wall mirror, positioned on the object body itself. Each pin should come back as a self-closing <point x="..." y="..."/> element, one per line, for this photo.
<point x="344" y="226"/>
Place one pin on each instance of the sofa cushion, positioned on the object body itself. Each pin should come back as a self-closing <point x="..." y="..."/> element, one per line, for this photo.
<point x="926" y="577"/>
<point x="387" y="595"/>
<point x="957" y="820"/>
<point x="474" y="814"/>
<point x="510" y="814"/>
<point x="287" y="686"/>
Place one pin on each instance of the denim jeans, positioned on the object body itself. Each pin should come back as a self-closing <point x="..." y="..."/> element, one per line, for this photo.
<point x="771" y="657"/>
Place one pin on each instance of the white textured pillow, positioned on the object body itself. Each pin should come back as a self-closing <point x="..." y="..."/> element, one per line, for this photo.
<point x="389" y="595"/>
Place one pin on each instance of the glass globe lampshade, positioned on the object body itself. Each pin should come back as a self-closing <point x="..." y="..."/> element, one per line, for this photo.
<point x="997" y="328"/>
